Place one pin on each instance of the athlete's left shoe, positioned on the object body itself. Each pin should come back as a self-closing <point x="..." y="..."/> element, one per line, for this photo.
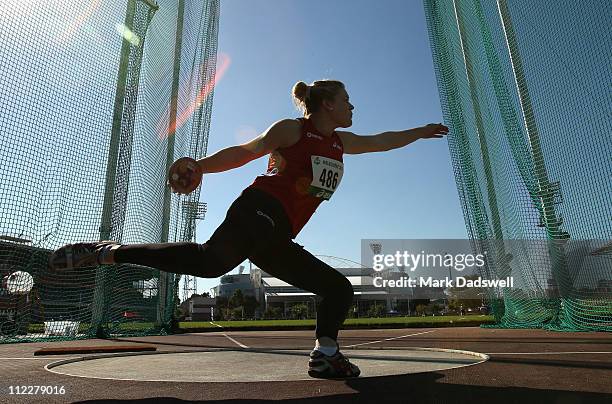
<point x="81" y="255"/>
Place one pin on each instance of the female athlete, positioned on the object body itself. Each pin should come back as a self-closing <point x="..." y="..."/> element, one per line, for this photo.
<point x="304" y="169"/>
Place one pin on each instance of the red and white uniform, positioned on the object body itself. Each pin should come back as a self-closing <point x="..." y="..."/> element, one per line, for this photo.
<point x="303" y="175"/>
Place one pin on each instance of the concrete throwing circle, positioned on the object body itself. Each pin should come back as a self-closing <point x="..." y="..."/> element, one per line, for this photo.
<point x="256" y="366"/>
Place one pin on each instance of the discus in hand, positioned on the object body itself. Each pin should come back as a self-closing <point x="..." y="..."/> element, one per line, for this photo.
<point x="184" y="175"/>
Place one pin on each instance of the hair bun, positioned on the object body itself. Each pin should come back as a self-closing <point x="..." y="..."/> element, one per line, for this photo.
<point x="301" y="91"/>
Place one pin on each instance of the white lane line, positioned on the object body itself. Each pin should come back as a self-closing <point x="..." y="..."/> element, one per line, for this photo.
<point x="547" y="353"/>
<point x="230" y="338"/>
<point x="235" y="342"/>
<point x="388" y="339"/>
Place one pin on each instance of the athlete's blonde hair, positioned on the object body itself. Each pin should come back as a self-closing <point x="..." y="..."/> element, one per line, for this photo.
<point x="308" y="98"/>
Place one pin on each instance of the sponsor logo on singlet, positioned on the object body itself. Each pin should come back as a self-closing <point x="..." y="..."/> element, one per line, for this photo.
<point x="308" y="134"/>
<point x="260" y="213"/>
<point x="337" y="146"/>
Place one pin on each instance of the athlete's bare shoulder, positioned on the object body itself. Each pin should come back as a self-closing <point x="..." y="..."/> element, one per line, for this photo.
<point x="284" y="133"/>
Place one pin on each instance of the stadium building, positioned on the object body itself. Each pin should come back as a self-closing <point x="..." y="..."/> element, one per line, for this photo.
<point x="273" y="292"/>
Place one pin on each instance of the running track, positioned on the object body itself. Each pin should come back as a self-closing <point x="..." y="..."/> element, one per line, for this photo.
<point x="524" y="366"/>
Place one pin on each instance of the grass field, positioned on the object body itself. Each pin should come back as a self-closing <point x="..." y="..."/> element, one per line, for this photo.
<point x="380" y="322"/>
<point x="437" y="321"/>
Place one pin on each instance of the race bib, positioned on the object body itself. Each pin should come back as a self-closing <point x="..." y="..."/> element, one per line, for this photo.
<point x="326" y="176"/>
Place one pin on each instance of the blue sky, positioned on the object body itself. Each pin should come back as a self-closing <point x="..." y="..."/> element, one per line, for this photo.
<point x="382" y="54"/>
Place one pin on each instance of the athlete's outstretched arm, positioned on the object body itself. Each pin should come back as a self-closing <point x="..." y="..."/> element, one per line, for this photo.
<point x="356" y="144"/>
<point x="283" y="133"/>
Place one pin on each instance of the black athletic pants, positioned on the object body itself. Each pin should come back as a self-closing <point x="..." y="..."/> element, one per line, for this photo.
<point x="256" y="227"/>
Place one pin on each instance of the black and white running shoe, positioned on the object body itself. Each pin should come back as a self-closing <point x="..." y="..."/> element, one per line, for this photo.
<point x="79" y="255"/>
<point x="336" y="366"/>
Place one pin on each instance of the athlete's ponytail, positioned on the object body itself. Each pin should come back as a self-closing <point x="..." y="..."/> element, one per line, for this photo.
<point x="308" y="98"/>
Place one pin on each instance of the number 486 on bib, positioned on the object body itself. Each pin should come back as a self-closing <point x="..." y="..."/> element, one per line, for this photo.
<point x="326" y="176"/>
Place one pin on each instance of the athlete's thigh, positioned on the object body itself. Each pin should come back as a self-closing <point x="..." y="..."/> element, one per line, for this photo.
<point x="241" y="233"/>
<point x="228" y="244"/>
<point x="290" y="262"/>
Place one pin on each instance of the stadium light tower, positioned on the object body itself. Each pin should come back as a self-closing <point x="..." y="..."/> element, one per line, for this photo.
<point x="376" y="248"/>
<point x="192" y="211"/>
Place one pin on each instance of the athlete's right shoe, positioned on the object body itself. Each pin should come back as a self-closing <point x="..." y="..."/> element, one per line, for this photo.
<point x="336" y="366"/>
<point x="79" y="255"/>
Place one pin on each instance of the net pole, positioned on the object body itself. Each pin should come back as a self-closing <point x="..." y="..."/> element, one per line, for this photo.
<point x="500" y="253"/>
<point x="509" y="115"/>
<point x="164" y="277"/>
<point x="98" y="306"/>
<point x="480" y="131"/>
<point x="463" y="163"/>
<point x="546" y="191"/>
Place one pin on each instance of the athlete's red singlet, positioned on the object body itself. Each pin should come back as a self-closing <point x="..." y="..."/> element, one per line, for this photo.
<point x="303" y="175"/>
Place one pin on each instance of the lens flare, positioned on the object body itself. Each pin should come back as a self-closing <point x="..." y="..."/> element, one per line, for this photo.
<point x="223" y="63"/>
<point x="128" y="34"/>
<point x="80" y="20"/>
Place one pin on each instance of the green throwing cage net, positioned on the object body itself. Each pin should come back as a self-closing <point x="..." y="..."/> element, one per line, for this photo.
<point x="525" y="91"/>
<point x="99" y="98"/>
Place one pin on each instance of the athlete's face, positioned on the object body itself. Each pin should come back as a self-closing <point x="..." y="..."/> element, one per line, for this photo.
<point x="341" y="109"/>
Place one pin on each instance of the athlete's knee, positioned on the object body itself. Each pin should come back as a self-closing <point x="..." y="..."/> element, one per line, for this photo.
<point x="338" y="288"/>
<point x="346" y="291"/>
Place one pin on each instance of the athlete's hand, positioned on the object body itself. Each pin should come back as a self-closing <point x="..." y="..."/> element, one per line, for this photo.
<point x="184" y="176"/>
<point x="433" y="131"/>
